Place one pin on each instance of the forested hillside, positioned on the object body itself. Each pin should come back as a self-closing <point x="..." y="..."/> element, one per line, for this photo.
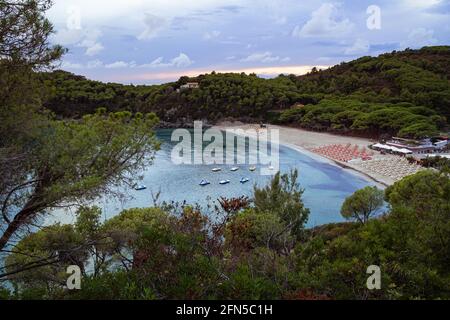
<point x="405" y="93"/>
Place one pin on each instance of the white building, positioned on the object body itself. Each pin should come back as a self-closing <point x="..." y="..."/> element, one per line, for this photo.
<point x="190" y="85"/>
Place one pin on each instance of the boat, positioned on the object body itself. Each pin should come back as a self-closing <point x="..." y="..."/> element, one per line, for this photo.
<point x="204" y="183"/>
<point x="244" y="180"/>
<point x="140" y="187"/>
<point x="271" y="168"/>
<point x="216" y="169"/>
<point x="252" y="168"/>
<point x="234" y="169"/>
<point x="224" y="182"/>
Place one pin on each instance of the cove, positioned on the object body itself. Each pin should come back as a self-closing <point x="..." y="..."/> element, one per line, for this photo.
<point x="326" y="185"/>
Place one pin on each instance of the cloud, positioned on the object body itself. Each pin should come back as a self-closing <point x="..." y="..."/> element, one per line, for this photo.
<point x="418" y="38"/>
<point x="66" y="37"/>
<point x="211" y="35"/>
<point x="71" y="65"/>
<point x="360" y="47"/>
<point x="95" y="49"/>
<point x="324" y="22"/>
<point x="264" y="57"/>
<point x="94" y="64"/>
<point x="153" y="25"/>
<point x="83" y="38"/>
<point x="181" y="61"/>
<point x="91" y="43"/>
<point x="120" y="65"/>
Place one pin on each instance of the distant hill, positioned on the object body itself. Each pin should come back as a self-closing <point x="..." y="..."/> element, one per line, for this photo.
<point x="420" y="77"/>
<point x="405" y="93"/>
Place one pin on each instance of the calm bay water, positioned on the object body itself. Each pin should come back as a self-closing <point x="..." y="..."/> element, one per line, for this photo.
<point x="326" y="185"/>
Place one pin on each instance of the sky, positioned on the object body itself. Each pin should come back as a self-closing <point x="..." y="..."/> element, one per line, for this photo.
<point x="157" y="41"/>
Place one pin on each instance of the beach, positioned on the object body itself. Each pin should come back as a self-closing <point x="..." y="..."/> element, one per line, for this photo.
<point x="307" y="141"/>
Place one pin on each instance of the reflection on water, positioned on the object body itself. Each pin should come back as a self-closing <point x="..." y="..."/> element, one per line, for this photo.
<point x="326" y="186"/>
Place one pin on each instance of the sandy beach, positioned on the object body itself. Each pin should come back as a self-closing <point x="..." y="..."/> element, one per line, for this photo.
<point x="306" y="141"/>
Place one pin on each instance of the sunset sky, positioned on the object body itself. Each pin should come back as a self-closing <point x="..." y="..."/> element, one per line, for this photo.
<point x="137" y="41"/>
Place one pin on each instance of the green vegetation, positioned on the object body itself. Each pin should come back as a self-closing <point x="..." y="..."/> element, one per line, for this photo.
<point x="363" y="204"/>
<point x="400" y="93"/>
<point x="248" y="252"/>
<point x="47" y="163"/>
<point x="100" y="135"/>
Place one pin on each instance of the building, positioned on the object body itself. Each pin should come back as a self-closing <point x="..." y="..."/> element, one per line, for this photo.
<point x="190" y="85"/>
<point x="424" y="146"/>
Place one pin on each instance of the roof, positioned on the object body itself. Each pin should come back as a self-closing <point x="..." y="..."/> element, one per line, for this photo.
<point x="395" y="149"/>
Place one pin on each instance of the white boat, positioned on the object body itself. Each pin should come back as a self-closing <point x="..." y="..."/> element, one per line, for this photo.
<point x="216" y="169"/>
<point x="234" y="169"/>
<point x="271" y="168"/>
<point x="140" y="187"/>
<point x="204" y="183"/>
<point x="224" y="182"/>
<point x="244" y="180"/>
<point x="252" y="168"/>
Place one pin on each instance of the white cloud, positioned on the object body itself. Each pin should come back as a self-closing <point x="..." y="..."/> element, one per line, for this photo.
<point x="211" y="35"/>
<point x="153" y="25"/>
<point x="181" y="61"/>
<point x="95" y="49"/>
<point x="66" y="37"/>
<point x="120" y="65"/>
<point x="264" y="57"/>
<point x="418" y="38"/>
<point x="324" y="22"/>
<point x="71" y="65"/>
<point x="83" y="38"/>
<point x="91" y="43"/>
<point x="360" y="47"/>
<point x="421" y="3"/>
<point x="94" y="64"/>
<point x="230" y="58"/>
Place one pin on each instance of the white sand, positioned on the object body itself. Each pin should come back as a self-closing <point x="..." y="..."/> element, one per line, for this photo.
<point x="304" y="141"/>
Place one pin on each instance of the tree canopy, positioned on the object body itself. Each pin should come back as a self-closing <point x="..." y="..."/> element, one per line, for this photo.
<point x="47" y="163"/>
<point x="404" y="93"/>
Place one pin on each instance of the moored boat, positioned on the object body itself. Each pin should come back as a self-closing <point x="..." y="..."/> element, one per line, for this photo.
<point x="204" y="183"/>
<point x="253" y="168"/>
<point x="140" y="187"/>
<point x="224" y="182"/>
<point x="234" y="169"/>
<point x="244" y="180"/>
<point x="216" y="169"/>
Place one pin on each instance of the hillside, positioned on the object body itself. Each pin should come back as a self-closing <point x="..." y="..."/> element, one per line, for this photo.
<point x="405" y="93"/>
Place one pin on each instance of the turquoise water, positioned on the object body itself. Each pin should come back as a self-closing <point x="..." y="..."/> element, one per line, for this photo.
<point x="326" y="185"/>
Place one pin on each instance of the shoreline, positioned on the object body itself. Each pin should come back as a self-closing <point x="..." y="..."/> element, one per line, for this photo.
<point x="301" y="140"/>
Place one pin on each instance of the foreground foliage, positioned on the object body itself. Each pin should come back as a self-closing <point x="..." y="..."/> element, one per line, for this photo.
<point x="250" y="252"/>
<point x="46" y="163"/>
